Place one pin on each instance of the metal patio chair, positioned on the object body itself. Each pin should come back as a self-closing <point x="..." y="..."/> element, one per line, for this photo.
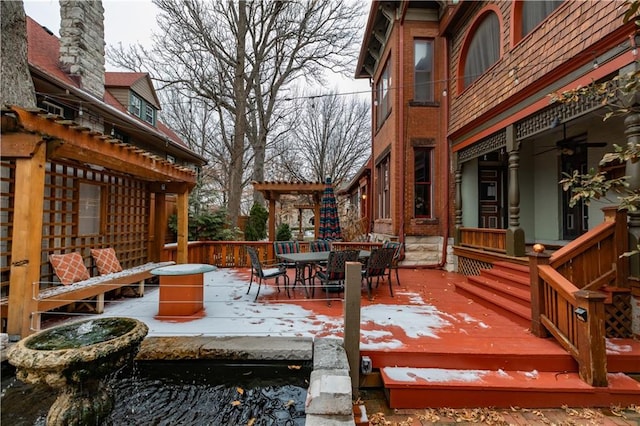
<point x="265" y="272"/>
<point x="377" y="266"/>
<point x="396" y="257"/>
<point x="332" y="275"/>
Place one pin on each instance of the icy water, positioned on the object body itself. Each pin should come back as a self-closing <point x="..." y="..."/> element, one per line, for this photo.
<point x="181" y="393"/>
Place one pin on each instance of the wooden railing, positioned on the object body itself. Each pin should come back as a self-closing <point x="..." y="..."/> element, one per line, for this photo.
<point x="564" y="297"/>
<point x="233" y="254"/>
<point x="484" y="238"/>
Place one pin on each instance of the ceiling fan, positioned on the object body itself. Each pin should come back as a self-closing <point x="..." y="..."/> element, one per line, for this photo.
<point x="568" y="146"/>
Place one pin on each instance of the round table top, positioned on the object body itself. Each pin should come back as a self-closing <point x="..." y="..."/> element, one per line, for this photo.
<point x="184" y="269"/>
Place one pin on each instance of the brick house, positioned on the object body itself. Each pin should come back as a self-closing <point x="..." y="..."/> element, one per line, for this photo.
<point x="91" y="168"/>
<point x="409" y="194"/>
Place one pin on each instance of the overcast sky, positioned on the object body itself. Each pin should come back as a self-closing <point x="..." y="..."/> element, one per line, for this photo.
<point x="132" y="21"/>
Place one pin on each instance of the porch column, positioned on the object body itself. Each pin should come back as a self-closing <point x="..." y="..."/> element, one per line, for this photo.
<point x="26" y="250"/>
<point x="515" y="234"/>
<point x="632" y="169"/>
<point x="458" y="207"/>
<point x="182" y="256"/>
<point x="159" y="226"/>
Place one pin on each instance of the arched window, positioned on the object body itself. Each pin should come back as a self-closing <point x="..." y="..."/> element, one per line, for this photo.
<point x="484" y="49"/>
<point x="533" y="12"/>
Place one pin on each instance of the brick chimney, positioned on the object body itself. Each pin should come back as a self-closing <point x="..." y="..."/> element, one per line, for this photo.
<point x="82" y="43"/>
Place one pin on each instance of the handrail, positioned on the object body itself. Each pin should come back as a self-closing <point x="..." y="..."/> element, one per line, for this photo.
<point x="562" y="301"/>
<point x="232" y="254"/>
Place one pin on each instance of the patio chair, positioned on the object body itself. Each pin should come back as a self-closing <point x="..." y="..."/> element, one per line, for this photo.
<point x="286" y="247"/>
<point x="265" y="272"/>
<point x="320" y="245"/>
<point x="396" y="257"/>
<point x="333" y="274"/>
<point x="377" y="266"/>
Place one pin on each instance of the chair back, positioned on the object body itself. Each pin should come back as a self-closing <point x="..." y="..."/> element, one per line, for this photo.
<point x="256" y="265"/>
<point x="320" y="245"/>
<point x="380" y="259"/>
<point x="336" y="263"/>
<point x="396" y="246"/>
<point x="285" y="247"/>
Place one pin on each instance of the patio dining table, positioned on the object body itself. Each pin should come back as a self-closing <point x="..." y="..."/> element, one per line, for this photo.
<point x="303" y="261"/>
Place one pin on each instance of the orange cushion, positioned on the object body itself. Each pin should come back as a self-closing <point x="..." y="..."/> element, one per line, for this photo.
<point x="69" y="267"/>
<point x="106" y="260"/>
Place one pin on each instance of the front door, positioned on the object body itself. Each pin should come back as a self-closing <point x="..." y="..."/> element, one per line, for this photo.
<point x="492" y="175"/>
<point x="575" y="220"/>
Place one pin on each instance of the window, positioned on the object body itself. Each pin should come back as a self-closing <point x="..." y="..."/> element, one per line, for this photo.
<point x="135" y="106"/>
<point x="484" y="48"/>
<point x="422" y="181"/>
<point x="142" y="109"/>
<point x="384" y="101"/>
<point x="423" y="70"/>
<point x="534" y="12"/>
<point x="383" y="188"/>
<point x="89" y="209"/>
<point x="52" y="108"/>
<point x="150" y="114"/>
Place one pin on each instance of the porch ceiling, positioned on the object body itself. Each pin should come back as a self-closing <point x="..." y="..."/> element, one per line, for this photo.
<point x="68" y="141"/>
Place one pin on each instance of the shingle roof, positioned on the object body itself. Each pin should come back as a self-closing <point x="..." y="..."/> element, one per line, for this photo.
<point x="42" y="52"/>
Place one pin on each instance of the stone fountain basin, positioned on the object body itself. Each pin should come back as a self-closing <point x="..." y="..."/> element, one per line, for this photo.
<point x="73" y="353"/>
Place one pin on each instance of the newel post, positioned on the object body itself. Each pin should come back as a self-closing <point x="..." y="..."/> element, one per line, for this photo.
<point x="537" y="258"/>
<point x="621" y="242"/>
<point x="590" y="324"/>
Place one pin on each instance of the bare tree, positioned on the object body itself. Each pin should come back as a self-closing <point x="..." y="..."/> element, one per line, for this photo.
<point x="331" y="136"/>
<point x="244" y="56"/>
<point x="17" y="86"/>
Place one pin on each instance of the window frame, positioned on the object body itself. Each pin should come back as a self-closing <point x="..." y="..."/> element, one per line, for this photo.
<point x="430" y="96"/>
<point x="428" y="183"/>
<point x="383" y="96"/>
<point x="383" y="187"/>
<point x="135" y="104"/>
<point x="464" y="82"/>
<point x="99" y="215"/>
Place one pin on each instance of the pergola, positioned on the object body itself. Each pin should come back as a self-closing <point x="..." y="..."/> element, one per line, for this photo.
<point x="272" y="191"/>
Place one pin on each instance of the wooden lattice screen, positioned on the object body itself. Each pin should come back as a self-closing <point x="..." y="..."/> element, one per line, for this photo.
<point x="7" y="191"/>
<point x="121" y="210"/>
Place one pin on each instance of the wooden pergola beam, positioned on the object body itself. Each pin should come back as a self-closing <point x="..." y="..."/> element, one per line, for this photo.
<point x="272" y="191"/>
<point x="70" y="142"/>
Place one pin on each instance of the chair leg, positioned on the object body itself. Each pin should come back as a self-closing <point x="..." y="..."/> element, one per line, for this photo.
<point x="391" y="288"/>
<point x="397" y="276"/>
<point x="286" y="285"/>
<point x="258" y="292"/>
<point x="250" y="282"/>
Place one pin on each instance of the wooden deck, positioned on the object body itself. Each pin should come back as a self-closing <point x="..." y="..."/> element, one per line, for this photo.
<point x="516" y="367"/>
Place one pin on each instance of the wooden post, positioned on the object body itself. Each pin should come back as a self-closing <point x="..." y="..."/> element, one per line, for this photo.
<point x="621" y="242"/>
<point x="26" y="246"/>
<point x="182" y="256"/>
<point x="353" y="281"/>
<point x="159" y="227"/>
<point x="537" y="291"/>
<point x="592" y="355"/>
<point x="515" y="242"/>
<point x="272" y="219"/>
<point x="458" y="209"/>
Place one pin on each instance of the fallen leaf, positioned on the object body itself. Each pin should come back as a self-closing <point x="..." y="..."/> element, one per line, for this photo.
<point x="294" y="367"/>
<point x="240" y="391"/>
<point x="236" y="403"/>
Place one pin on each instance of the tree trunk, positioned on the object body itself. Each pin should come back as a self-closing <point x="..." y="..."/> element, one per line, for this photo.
<point x="240" y="96"/>
<point x="17" y="86"/>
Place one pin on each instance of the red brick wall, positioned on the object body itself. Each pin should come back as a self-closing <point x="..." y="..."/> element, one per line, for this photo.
<point x="419" y="122"/>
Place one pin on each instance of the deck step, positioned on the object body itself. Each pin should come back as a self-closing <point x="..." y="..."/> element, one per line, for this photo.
<point x="514" y="292"/>
<point x="496" y="301"/>
<point x="513" y="268"/>
<point x="415" y="388"/>
<point x="507" y="277"/>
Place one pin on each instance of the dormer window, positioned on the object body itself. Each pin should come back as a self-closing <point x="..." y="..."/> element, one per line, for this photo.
<point x="142" y="109"/>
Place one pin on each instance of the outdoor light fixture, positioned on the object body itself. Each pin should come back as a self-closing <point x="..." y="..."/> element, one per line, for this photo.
<point x="581" y="313"/>
<point x="364" y="196"/>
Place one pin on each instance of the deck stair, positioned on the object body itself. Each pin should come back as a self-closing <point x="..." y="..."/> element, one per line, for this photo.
<point x="504" y="287"/>
<point x="503" y="372"/>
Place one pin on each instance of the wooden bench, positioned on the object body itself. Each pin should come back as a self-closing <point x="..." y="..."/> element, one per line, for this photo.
<point x="61" y="295"/>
